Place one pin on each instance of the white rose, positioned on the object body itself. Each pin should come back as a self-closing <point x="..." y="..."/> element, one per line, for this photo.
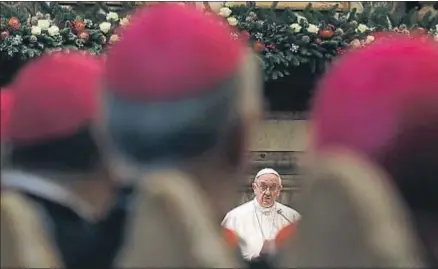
<point x="44" y="24"/>
<point x="295" y="27"/>
<point x="361" y="28"/>
<point x="112" y="16"/>
<point x="36" y="30"/>
<point x="436" y="28"/>
<point x="124" y="22"/>
<point x="312" y="28"/>
<point x="225" y="12"/>
<point x="232" y="21"/>
<point x="53" y="30"/>
<point x="105" y="27"/>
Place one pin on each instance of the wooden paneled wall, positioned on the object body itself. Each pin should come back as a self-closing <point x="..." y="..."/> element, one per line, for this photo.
<point x="286" y="163"/>
<point x="281" y="135"/>
<point x="280" y="145"/>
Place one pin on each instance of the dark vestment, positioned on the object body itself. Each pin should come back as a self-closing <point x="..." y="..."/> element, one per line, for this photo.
<point x="262" y="262"/>
<point x="83" y="244"/>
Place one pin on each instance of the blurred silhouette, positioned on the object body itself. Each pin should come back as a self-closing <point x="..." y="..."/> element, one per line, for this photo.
<point x="380" y="102"/>
<point x="59" y="206"/>
<point x="352" y="218"/>
<point x="6" y="99"/>
<point x="181" y="102"/>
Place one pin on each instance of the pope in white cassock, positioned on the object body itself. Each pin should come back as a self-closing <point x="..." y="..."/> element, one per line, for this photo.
<point x="258" y="221"/>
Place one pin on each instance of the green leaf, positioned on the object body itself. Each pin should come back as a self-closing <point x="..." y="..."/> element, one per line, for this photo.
<point x="313" y="46"/>
<point x="304" y="51"/>
<point x="330" y="44"/>
<point x="304" y="60"/>
<point x="289" y="55"/>
<point x="295" y="61"/>
<point x="64" y="31"/>
<point x="316" y="53"/>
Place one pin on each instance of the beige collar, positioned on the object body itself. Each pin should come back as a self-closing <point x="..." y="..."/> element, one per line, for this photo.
<point x="49" y="189"/>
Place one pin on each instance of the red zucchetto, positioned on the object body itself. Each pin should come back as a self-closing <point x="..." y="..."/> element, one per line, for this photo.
<point x="360" y="102"/>
<point x="382" y="101"/>
<point x="179" y="51"/>
<point x="54" y="95"/>
<point x="175" y="83"/>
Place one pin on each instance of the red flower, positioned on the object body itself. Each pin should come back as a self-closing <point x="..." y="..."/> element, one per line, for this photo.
<point x="79" y="26"/>
<point x="340" y="51"/>
<point x="326" y="33"/>
<point x="84" y="36"/>
<point x="14" y="23"/>
<point x="4" y="35"/>
<point x="271" y="46"/>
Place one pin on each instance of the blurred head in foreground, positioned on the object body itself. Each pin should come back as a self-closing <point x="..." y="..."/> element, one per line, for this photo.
<point x="6" y="99"/>
<point x="382" y="101"/>
<point x="183" y="94"/>
<point x="54" y="106"/>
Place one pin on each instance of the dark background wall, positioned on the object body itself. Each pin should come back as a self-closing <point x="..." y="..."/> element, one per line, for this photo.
<point x="292" y="93"/>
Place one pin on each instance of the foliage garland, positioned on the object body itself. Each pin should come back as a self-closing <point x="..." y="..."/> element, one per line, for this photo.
<point x="284" y="40"/>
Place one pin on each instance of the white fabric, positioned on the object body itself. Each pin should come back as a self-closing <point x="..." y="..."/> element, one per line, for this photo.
<point x="48" y="189"/>
<point x="255" y="224"/>
<point x="266" y="171"/>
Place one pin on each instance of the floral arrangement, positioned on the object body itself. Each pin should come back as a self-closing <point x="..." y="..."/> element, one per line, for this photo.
<point x="283" y="40"/>
<point x="311" y="37"/>
<point x="40" y="34"/>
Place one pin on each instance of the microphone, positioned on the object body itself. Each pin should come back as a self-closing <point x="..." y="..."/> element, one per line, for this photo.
<point x="280" y="212"/>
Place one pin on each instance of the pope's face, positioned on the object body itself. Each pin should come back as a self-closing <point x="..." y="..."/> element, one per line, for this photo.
<point x="266" y="189"/>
